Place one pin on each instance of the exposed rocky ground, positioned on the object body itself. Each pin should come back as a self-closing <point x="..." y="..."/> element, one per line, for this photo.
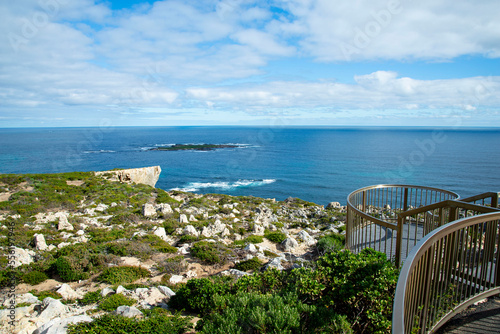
<point x="68" y="231"/>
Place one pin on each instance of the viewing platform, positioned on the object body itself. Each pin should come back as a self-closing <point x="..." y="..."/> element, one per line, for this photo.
<point x="447" y="248"/>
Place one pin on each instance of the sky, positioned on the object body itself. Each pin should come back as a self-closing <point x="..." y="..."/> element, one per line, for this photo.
<point x="71" y="63"/>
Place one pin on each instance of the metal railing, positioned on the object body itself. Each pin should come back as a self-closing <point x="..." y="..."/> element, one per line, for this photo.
<point x="486" y="199"/>
<point x="372" y="217"/>
<point x="452" y="267"/>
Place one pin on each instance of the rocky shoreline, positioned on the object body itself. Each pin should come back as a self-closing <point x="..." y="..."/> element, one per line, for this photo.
<point x="161" y="229"/>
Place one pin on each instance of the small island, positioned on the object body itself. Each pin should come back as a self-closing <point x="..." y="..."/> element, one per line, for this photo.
<point x="194" y="147"/>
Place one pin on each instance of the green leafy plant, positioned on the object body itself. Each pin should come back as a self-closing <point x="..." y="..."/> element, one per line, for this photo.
<point x="110" y="303"/>
<point x="111" y="323"/>
<point x="123" y="274"/>
<point x="252" y="264"/>
<point x="35" y="277"/>
<point x="91" y="297"/>
<point x="276" y="237"/>
<point x="210" y="252"/>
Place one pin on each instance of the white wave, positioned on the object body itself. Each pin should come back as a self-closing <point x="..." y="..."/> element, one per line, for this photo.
<point x="197" y="186"/>
<point x="99" y="151"/>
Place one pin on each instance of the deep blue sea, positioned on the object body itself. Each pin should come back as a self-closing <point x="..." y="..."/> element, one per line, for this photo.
<point x="315" y="164"/>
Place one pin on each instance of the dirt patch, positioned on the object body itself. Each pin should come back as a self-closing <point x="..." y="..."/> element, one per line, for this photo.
<point x="5" y="196"/>
<point x="75" y="183"/>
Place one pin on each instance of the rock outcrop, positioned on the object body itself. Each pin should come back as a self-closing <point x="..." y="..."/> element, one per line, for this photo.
<point x="145" y="175"/>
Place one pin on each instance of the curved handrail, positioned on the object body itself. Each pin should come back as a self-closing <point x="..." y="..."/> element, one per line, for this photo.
<point x="449" y="240"/>
<point x="363" y="229"/>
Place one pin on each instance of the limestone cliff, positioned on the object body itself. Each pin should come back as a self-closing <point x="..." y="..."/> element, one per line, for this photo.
<point x="145" y="175"/>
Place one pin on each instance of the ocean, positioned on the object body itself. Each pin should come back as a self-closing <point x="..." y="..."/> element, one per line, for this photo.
<point x="320" y="165"/>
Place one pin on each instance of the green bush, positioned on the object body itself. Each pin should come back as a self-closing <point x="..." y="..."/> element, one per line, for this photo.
<point x="331" y="243"/>
<point x="210" y="252"/>
<point x="123" y="274"/>
<point x="70" y="269"/>
<point x="91" y="297"/>
<point x="256" y="313"/>
<point x="175" y="265"/>
<point x="111" y="323"/>
<point x="252" y="264"/>
<point x="253" y="239"/>
<point x="110" y="303"/>
<point x="276" y="237"/>
<point x="34" y="277"/>
<point x="198" y="294"/>
<point x="44" y="294"/>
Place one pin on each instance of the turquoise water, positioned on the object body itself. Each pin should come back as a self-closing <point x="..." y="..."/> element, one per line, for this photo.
<point x="316" y="164"/>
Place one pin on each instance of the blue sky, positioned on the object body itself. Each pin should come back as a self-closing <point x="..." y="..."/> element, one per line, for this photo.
<point x="240" y="62"/>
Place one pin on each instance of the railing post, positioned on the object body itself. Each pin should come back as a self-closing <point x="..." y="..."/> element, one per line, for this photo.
<point x="399" y="241"/>
<point x="405" y="203"/>
<point x="494" y="201"/>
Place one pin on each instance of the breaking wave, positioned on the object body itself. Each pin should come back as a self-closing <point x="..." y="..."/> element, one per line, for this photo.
<point x="197" y="186"/>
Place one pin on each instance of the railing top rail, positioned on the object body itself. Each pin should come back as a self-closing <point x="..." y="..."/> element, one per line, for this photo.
<point x="448" y="203"/>
<point x="374" y="219"/>
<point x="480" y="196"/>
<point x="417" y="252"/>
<point x="451" y="193"/>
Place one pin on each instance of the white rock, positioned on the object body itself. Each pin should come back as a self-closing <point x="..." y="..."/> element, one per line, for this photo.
<point x="107" y="291"/>
<point x="51" y="248"/>
<point x="333" y="205"/>
<point x="251" y="248"/>
<point x="60" y="326"/>
<point x="68" y="293"/>
<point x="101" y="207"/>
<point x="63" y="244"/>
<point x="274" y="264"/>
<point x="191" y="230"/>
<point x="192" y="218"/>
<point x="121" y="289"/>
<point x="258" y="229"/>
<point x="176" y="279"/>
<point x="51" y="308"/>
<point x="39" y="241"/>
<point x="64" y="224"/>
<point x="160" y="231"/>
<point x="128" y="311"/>
<point x="22" y="256"/>
<point x="308" y="240"/>
<point x="148" y="210"/>
<point x="289" y="244"/>
<point x="183" y="219"/>
<point x="166" y="291"/>
<point x="234" y="272"/>
<point x="164" y="208"/>
<point x="80" y="232"/>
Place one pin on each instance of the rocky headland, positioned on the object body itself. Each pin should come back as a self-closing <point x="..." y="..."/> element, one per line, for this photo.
<point x="79" y="238"/>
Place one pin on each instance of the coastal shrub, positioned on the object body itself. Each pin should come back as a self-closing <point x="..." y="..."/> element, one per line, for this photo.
<point x="35" y="277"/>
<point x="111" y="302"/>
<point x="112" y="323"/>
<point x="175" y="265"/>
<point x="198" y="295"/>
<point x="252" y="264"/>
<point x="331" y="243"/>
<point x="123" y="274"/>
<point x="256" y="313"/>
<point x="276" y="237"/>
<point x="130" y="248"/>
<point x="163" y="197"/>
<point x="253" y="239"/>
<point x="210" y="252"/>
<point x="44" y="294"/>
<point x="171" y="225"/>
<point x="158" y="244"/>
<point x="70" y="268"/>
<point x="91" y="297"/>
<point x="269" y="281"/>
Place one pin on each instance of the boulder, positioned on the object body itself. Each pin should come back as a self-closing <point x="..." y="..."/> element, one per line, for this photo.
<point x="258" y="229"/>
<point x="274" y="264"/>
<point x="60" y="326"/>
<point x="122" y="290"/>
<point x="251" y="248"/>
<point x="68" y="293"/>
<point x="51" y="308"/>
<point x="183" y="219"/>
<point x="308" y="240"/>
<point x="148" y="210"/>
<point x="23" y="256"/>
<point x="64" y="224"/>
<point x="164" y="208"/>
<point x="289" y="244"/>
<point x="334" y="205"/>
<point x="107" y="291"/>
<point x="191" y="230"/>
<point x="128" y="311"/>
<point x="174" y="279"/>
<point x="101" y="207"/>
<point x="145" y="175"/>
<point x="160" y="231"/>
<point x="39" y="242"/>
<point x="234" y="272"/>
<point x="166" y="291"/>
